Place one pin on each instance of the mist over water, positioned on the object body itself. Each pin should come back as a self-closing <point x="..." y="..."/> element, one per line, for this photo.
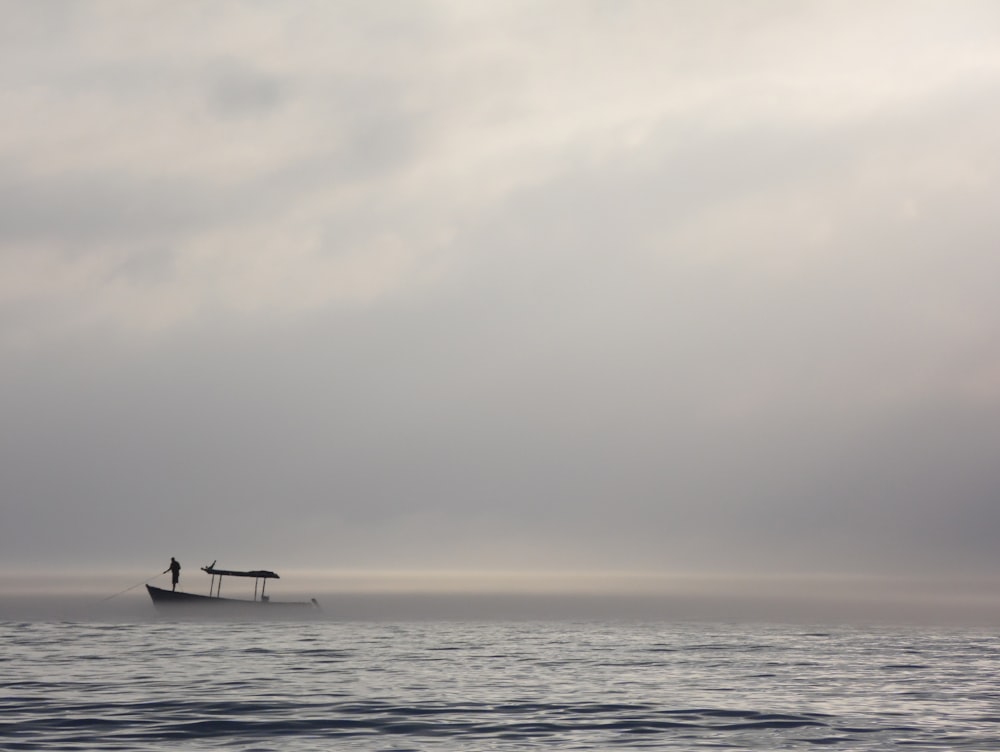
<point x="403" y="596"/>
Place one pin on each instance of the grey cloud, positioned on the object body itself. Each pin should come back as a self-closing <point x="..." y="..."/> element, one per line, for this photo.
<point x="241" y="92"/>
<point x="83" y="208"/>
<point x="611" y="373"/>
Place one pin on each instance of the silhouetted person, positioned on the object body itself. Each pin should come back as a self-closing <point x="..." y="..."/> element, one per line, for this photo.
<point x="175" y="571"/>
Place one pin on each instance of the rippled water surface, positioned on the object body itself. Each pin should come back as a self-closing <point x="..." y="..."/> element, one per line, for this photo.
<point x="460" y="686"/>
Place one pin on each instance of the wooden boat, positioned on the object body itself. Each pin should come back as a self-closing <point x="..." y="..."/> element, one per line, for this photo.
<point x="175" y="600"/>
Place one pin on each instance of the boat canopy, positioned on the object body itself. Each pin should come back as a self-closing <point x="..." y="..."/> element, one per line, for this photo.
<point x="256" y="573"/>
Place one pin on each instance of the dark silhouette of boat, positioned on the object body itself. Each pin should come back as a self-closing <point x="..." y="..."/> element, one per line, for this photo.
<point x="175" y="600"/>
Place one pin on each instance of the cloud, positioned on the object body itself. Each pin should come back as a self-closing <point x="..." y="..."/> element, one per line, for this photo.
<point x="650" y="288"/>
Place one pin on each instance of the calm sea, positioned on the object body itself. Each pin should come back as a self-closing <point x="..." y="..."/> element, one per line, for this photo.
<point x="494" y="686"/>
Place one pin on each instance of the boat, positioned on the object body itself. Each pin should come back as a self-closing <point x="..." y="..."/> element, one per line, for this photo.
<point x="173" y="601"/>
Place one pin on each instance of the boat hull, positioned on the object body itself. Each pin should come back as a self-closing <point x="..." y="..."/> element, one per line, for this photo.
<point x="170" y="601"/>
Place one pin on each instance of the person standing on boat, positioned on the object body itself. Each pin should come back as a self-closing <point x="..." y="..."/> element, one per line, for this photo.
<point x="175" y="571"/>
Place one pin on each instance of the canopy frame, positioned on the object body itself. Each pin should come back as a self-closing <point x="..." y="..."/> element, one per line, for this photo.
<point x="257" y="574"/>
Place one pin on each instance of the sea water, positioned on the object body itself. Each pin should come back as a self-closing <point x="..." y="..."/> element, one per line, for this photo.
<point x="165" y="685"/>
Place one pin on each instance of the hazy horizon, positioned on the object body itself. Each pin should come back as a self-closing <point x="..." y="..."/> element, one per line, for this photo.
<point x="629" y="290"/>
<point x="408" y="595"/>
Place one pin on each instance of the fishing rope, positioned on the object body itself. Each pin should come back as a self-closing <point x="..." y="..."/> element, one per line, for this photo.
<point x="130" y="588"/>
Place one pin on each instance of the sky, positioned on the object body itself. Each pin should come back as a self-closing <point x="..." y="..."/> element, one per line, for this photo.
<point x="553" y="289"/>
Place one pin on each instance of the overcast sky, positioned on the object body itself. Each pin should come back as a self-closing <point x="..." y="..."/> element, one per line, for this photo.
<point x="551" y="286"/>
